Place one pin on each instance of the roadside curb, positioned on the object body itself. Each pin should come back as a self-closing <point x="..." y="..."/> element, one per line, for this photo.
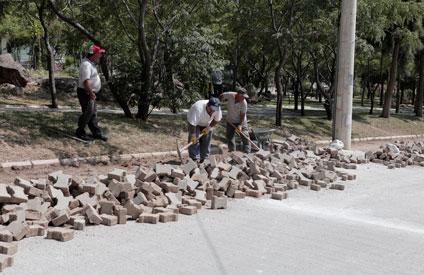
<point x="374" y="138"/>
<point x="27" y="164"/>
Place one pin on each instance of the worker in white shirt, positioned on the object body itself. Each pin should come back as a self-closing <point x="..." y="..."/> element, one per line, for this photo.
<point x="202" y="117"/>
<point x="89" y="85"/>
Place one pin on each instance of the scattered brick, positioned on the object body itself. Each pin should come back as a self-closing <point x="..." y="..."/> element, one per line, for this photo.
<point x="279" y="196"/>
<point x="219" y="202"/>
<point x="5" y="262"/>
<point x="168" y="217"/>
<point x="8" y="248"/>
<point x="6" y="236"/>
<point x="188" y="210"/>
<point x="109" y="220"/>
<point x="35" y="230"/>
<point x="60" y="234"/>
<point x="315" y="187"/>
<point x="92" y="214"/>
<point x="148" y="218"/>
<point x="239" y="194"/>
<point x="337" y="186"/>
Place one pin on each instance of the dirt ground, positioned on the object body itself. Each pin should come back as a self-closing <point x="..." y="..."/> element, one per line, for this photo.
<point x="83" y="170"/>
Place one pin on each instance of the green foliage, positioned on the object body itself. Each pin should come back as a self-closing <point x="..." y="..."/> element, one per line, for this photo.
<point x="192" y="37"/>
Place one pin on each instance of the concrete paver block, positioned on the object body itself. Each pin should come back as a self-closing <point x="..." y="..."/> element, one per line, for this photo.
<point x="279" y="196"/>
<point x="121" y="212"/>
<point x="8" y="248"/>
<point x="60" y="234"/>
<point x="188" y="210"/>
<point x="177" y="173"/>
<point x="109" y="220"/>
<point x="239" y="194"/>
<point x="79" y="224"/>
<point x="92" y="214"/>
<point x="18" y="230"/>
<point x="315" y="187"/>
<point x="5" y="262"/>
<point x="60" y="217"/>
<point x="35" y="230"/>
<point x="106" y="207"/>
<point x="5" y="197"/>
<point x="219" y="202"/>
<point x="17" y="193"/>
<point x="337" y="186"/>
<point x="26" y="185"/>
<point x="168" y="217"/>
<point x="6" y="236"/>
<point x="148" y="218"/>
<point x="133" y="210"/>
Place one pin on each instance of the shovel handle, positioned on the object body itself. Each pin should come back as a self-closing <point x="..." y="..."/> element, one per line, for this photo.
<point x="191" y="143"/>
<point x="246" y="137"/>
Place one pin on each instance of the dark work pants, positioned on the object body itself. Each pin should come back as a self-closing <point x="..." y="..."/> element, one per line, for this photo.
<point x="202" y="148"/>
<point x="231" y="132"/>
<point x="89" y="114"/>
<point x="218" y="89"/>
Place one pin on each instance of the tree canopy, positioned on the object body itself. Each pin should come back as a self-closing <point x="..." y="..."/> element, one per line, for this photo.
<point x="287" y="44"/>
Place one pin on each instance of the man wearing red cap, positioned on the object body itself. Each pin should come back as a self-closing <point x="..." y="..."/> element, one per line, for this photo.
<point x="89" y="85"/>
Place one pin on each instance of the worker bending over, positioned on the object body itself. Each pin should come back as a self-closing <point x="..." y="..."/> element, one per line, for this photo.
<point x="202" y="117"/>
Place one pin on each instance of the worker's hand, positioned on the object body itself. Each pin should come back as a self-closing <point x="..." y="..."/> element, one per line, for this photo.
<point x="193" y="139"/>
<point x="205" y="131"/>
<point x="239" y="129"/>
<point x="92" y="95"/>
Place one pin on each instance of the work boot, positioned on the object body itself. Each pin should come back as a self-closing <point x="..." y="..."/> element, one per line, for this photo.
<point x="101" y="137"/>
<point x="82" y="136"/>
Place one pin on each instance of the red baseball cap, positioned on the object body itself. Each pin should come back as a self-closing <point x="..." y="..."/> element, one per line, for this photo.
<point x="96" y="49"/>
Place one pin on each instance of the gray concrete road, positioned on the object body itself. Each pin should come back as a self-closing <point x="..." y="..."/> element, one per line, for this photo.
<point x="376" y="226"/>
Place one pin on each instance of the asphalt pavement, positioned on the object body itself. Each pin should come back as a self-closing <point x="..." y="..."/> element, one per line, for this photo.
<point x="375" y="226"/>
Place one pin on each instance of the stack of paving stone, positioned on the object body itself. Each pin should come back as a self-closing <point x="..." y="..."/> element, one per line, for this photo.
<point x="57" y="205"/>
<point x="400" y="154"/>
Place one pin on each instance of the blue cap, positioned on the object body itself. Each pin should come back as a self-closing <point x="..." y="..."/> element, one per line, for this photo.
<point x="214" y="103"/>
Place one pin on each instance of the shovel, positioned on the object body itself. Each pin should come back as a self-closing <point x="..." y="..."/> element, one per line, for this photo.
<point x="246" y="137"/>
<point x="181" y="150"/>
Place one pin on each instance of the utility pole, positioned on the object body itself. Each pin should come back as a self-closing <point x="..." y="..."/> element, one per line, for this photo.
<point x="345" y="71"/>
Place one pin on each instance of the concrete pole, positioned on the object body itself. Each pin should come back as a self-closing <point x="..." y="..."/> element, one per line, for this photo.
<point x="346" y="55"/>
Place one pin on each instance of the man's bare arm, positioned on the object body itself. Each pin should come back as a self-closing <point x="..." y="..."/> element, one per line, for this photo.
<point x="88" y="90"/>
<point x="213" y="123"/>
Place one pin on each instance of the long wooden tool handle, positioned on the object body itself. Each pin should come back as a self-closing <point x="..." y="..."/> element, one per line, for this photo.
<point x="246" y="137"/>
<point x="191" y="143"/>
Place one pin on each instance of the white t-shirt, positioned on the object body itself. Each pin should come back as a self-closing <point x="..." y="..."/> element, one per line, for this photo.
<point x="88" y="71"/>
<point x="198" y="116"/>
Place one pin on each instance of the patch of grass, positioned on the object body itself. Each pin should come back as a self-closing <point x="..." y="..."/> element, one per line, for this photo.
<point x="27" y="135"/>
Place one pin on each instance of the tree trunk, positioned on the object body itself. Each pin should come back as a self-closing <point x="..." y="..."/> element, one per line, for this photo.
<point x="398" y="101"/>
<point x="372" y="99"/>
<point x="402" y="96"/>
<point x="420" y="90"/>
<point x="103" y="64"/>
<point x="50" y="55"/>
<point x="398" y="92"/>
<point x="236" y="61"/>
<point x="381" y="78"/>
<point x="169" y="88"/>
<point x="362" y="95"/>
<point x="279" y="108"/>
<point x="147" y="58"/>
<point x="392" y="80"/>
<point x="296" y="95"/>
<point x="302" y="98"/>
